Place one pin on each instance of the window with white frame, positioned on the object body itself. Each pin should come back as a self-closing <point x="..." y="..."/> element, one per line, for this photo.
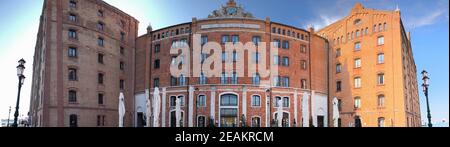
<point x="256" y="100"/>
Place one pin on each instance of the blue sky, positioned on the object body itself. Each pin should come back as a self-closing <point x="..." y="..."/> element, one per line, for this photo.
<point x="428" y="21"/>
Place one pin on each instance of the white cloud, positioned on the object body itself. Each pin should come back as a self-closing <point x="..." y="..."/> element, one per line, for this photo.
<point x="428" y="19"/>
<point x="322" y="21"/>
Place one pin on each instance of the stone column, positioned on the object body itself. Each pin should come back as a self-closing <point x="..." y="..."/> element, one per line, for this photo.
<point x="191" y="107"/>
<point x="213" y="103"/>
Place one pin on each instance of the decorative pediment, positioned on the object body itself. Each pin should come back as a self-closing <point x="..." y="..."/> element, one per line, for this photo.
<point x="231" y="10"/>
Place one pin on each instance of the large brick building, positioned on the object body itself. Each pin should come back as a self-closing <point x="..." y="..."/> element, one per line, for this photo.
<point x="88" y="52"/>
<point x="373" y="69"/>
<point x="84" y="57"/>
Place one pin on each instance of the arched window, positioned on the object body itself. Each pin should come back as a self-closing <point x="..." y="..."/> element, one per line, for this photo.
<point x="72" y="74"/>
<point x="229" y="100"/>
<point x="276" y="101"/>
<point x="256" y="122"/>
<point x="385" y="27"/>
<point x="380" y="28"/>
<point x="201" y="121"/>
<point x="381" y="122"/>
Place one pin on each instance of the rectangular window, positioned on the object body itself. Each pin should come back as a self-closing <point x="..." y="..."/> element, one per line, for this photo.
<point x="380" y="100"/>
<point x="224" y="56"/>
<point x="201" y="101"/>
<point x="381" y="40"/>
<point x="357" y="82"/>
<point x="285" y="81"/>
<point x="122" y="36"/>
<point x="72" y="52"/>
<point x="303" y="48"/>
<point x="277" y="81"/>
<point x="285" y="61"/>
<point x="72" y="34"/>
<point x="234" y="78"/>
<point x="338" y="68"/>
<point x="256" y="40"/>
<point x="285" y="44"/>
<point x="155" y="82"/>
<point x="339" y="104"/>
<point x="100" y="78"/>
<point x="72" y="17"/>
<point x="286" y="102"/>
<point x="256" y="101"/>
<point x="100" y="13"/>
<point x="72" y="74"/>
<point x="338" y="86"/>
<point x="357" y="46"/>
<point x="225" y="39"/>
<point x="100" y="98"/>
<point x="235" y="39"/>
<point x="100" y="41"/>
<point x="204" y="40"/>
<point x="100" y="26"/>
<point x="357" y="102"/>
<point x="72" y="96"/>
<point x="72" y="4"/>
<point x="338" y="52"/>
<point x="256" y="79"/>
<point x="304" y="65"/>
<point x="276" y="60"/>
<point x="202" y="79"/>
<point x="380" y="79"/>
<point x="380" y="58"/>
<point x="122" y="51"/>
<point x="235" y="56"/>
<point x="122" y="84"/>
<point x="223" y="78"/>
<point x="157" y="64"/>
<point x="182" y="80"/>
<point x="122" y="65"/>
<point x="303" y="84"/>
<point x="100" y="58"/>
<point x="277" y="43"/>
<point x="157" y="48"/>
<point x="173" y="81"/>
<point x="357" y="63"/>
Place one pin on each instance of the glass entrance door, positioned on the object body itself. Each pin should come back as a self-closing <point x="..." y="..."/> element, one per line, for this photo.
<point x="228" y="110"/>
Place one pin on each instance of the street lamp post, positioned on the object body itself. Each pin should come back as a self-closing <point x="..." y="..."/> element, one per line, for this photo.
<point x="9" y="114"/>
<point x="20" y="69"/>
<point x="425" y="90"/>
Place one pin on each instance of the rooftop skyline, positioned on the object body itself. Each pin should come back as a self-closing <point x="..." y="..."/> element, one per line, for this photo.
<point x="427" y="21"/>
